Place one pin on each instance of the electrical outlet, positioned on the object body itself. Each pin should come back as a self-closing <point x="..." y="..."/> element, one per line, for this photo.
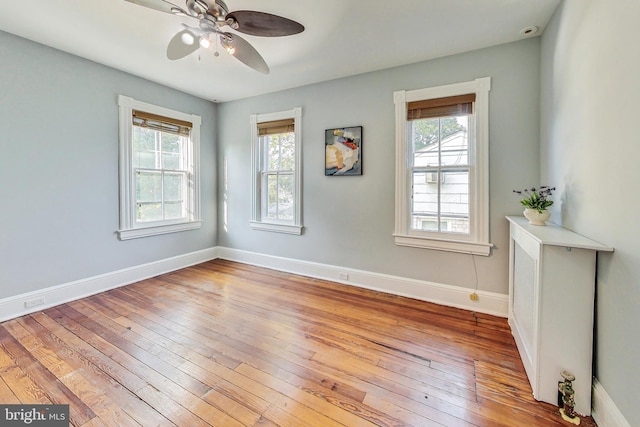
<point x="344" y="276"/>
<point x="473" y="297"/>
<point x="33" y="302"/>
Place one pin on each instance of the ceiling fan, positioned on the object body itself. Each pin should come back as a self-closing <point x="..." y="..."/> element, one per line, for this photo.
<point x="212" y="17"/>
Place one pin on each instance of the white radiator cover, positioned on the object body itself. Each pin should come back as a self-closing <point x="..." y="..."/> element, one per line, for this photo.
<point x="551" y="301"/>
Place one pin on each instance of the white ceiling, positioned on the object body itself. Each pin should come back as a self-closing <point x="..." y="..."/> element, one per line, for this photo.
<point x="341" y="38"/>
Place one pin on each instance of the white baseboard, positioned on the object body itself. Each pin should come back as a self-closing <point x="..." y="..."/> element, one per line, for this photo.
<point x="453" y="296"/>
<point x="15" y="306"/>
<point x="604" y="412"/>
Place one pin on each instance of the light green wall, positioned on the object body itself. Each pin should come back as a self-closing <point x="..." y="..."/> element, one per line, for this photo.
<point x="59" y="169"/>
<point x="590" y="151"/>
<point x="349" y="220"/>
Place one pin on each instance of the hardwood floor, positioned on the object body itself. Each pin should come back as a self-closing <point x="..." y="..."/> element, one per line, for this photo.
<point x="227" y="344"/>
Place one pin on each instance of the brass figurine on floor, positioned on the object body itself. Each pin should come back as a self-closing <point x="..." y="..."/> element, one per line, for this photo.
<point x="568" y="402"/>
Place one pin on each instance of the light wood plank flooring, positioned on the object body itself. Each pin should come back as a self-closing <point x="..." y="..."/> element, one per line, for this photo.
<point x="226" y="344"/>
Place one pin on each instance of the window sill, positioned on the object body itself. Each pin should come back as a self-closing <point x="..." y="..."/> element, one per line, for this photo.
<point x="135" y="233"/>
<point x="473" y="248"/>
<point x="276" y="228"/>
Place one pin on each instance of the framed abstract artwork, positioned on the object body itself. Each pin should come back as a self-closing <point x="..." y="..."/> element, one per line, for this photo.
<point x="343" y="151"/>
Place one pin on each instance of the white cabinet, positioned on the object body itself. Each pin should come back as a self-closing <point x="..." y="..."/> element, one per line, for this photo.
<point x="551" y="300"/>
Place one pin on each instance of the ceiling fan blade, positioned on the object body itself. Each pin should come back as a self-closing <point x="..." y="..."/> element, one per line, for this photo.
<point x="182" y="44"/>
<point x="244" y="52"/>
<point x="161" y="5"/>
<point x="264" y="24"/>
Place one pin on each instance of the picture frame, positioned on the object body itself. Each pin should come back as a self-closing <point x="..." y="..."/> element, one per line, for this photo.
<point x="343" y="151"/>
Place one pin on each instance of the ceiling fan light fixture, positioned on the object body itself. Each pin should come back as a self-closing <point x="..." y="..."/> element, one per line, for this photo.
<point x="188" y="39"/>
<point x="226" y="41"/>
<point x="230" y="49"/>
<point x="205" y="42"/>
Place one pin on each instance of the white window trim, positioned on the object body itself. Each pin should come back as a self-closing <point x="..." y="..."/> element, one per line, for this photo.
<point x="129" y="229"/>
<point x="477" y="242"/>
<point x="257" y="223"/>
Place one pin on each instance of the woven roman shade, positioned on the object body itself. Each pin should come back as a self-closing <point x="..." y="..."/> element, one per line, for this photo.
<point x="276" y="126"/>
<point x="441" y="107"/>
<point x="161" y="123"/>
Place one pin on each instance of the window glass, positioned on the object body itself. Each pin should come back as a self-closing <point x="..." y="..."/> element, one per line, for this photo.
<point x="279" y="188"/>
<point x="159" y="193"/>
<point x="440" y="184"/>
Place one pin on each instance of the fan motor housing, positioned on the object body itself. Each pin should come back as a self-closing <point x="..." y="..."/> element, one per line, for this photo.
<point x="216" y="8"/>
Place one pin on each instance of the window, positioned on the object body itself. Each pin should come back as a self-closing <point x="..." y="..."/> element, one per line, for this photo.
<point x="159" y="179"/>
<point x="276" y="167"/>
<point x="442" y="167"/>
